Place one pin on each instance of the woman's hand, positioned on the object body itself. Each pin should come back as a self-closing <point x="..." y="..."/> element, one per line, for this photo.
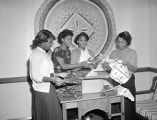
<point x="58" y="81"/>
<point x="86" y="64"/>
<point x="130" y="67"/>
<point x="125" y="63"/>
<point x="105" y="66"/>
<point x="95" y="65"/>
<point x="90" y="59"/>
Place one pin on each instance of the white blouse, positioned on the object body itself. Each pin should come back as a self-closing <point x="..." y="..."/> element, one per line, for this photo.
<point x="84" y="56"/>
<point x="40" y="66"/>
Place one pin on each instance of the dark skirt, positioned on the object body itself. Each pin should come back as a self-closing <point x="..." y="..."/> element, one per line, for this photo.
<point x="130" y="106"/>
<point x="46" y="106"/>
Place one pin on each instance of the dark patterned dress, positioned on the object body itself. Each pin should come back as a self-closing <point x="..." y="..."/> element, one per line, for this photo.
<point x="64" y="54"/>
<point x="73" y="88"/>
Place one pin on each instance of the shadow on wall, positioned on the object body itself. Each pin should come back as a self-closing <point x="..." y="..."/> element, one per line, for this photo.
<point x="30" y="82"/>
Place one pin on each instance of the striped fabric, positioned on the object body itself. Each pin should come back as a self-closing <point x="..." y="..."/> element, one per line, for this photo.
<point x="147" y="108"/>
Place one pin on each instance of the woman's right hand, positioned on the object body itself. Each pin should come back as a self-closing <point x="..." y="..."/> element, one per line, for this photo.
<point x="105" y="66"/>
<point x="58" y="81"/>
<point x="85" y="64"/>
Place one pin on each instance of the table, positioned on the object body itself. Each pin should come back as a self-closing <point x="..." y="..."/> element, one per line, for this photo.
<point x="91" y="84"/>
<point x="91" y="101"/>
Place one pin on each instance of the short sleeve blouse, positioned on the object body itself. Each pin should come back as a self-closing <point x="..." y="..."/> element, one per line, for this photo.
<point x="61" y="53"/>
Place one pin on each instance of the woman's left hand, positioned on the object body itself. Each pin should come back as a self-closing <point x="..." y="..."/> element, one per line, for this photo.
<point x="125" y="63"/>
<point x="90" y="59"/>
<point x="130" y="67"/>
<point x="58" y="81"/>
<point x="89" y="65"/>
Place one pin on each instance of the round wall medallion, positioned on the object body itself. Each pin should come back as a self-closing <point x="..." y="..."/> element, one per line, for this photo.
<point x="94" y="17"/>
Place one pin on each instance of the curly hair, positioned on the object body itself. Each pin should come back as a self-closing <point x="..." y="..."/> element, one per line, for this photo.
<point x="126" y="36"/>
<point x="80" y="35"/>
<point x="42" y="36"/>
<point x="64" y="34"/>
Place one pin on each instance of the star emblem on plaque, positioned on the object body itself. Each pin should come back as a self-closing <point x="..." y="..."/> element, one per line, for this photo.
<point x="78" y="24"/>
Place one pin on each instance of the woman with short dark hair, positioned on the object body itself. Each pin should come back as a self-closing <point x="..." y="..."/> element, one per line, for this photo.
<point x="124" y="52"/>
<point x="64" y="34"/>
<point x="129" y="59"/>
<point x="82" y="34"/>
<point x="82" y="53"/>
<point x="45" y="102"/>
<point x="126" y="36"/>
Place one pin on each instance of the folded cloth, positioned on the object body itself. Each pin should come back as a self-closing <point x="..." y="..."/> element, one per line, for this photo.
<point x="72" y="86"/>
<point x="125" y="92"/>
<point x="76" y="76"/>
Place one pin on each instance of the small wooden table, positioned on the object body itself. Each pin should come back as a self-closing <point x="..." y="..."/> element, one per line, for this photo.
<point x="91" y="101"/>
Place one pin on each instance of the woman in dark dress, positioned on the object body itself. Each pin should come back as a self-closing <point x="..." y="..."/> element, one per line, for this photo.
<point x="61" y="57"/>
<point x="45" y="102"/>
<point x="129" y="58"/>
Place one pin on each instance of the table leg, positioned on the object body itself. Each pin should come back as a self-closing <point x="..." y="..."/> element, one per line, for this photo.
<point x="122" y="108"/>
<point x="64" y="111"/>
<point x="108" y="107"/>
<point x="79" y="110"/>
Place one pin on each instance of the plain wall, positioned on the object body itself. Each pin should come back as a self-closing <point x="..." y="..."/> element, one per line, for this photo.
<point x="17" y="31"/>
<point x="133" y="16"/>
<point x="153" y="33"/>
<point x="15" y="100"/>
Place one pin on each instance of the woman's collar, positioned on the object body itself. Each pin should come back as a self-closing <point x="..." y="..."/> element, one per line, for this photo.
<point x="83" y="49"/>
<point x="39" y="48"/>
